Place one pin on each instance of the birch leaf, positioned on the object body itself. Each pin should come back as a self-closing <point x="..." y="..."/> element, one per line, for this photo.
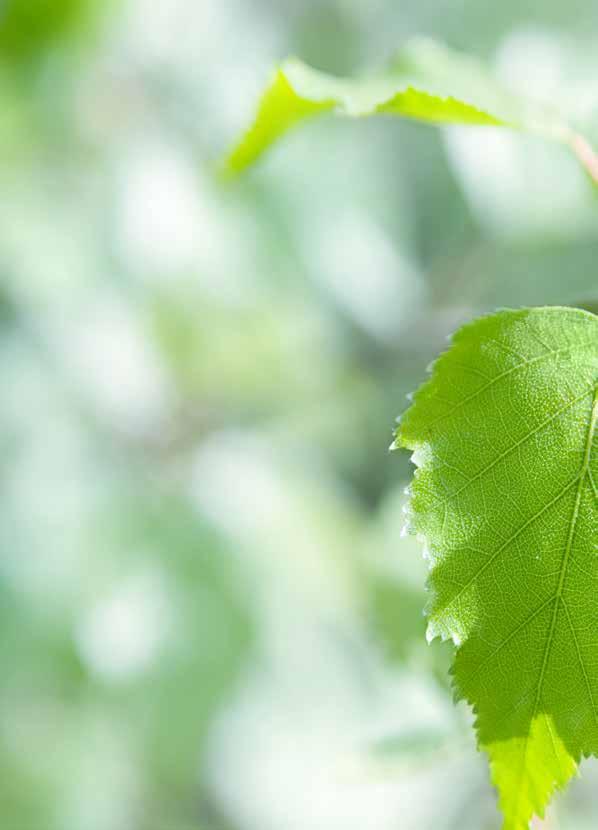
<point x="505" y="496"/>
<point x="425" y="82"/>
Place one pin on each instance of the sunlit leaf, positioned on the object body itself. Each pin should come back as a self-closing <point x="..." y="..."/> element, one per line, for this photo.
<point x="505" y="496"/>
<point x="426" y="82"/>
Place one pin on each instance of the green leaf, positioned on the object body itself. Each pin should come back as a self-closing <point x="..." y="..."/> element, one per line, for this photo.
<point x="279" y="110"/>
<point x="505" y="497"/>
<point x="426" y="82"/>
<point x="29" y="29"/>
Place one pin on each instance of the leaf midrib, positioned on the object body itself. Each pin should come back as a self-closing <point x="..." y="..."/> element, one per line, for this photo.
<point x="558" y="598"/>
<point x="579" y="477"/>
<point x="566" y="556"/>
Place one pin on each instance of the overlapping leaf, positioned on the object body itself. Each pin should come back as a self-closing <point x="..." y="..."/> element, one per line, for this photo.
<point x="506" y="498"/>
<point x="426" y="82"/>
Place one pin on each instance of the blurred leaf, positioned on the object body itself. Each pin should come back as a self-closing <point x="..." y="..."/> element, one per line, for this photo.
<point x="396" y="614"/>
<point x="29" y="27"/>
<point x="426" y="82"/>
<point x="396" y="618"/>
<point x="280" y="109"/>
<point x="523" y="274"/>
<point x="414" y="744"/>
<point x="173" y="707"/>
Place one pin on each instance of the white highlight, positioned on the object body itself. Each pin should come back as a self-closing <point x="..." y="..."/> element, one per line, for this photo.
<point x="121" y="637"/>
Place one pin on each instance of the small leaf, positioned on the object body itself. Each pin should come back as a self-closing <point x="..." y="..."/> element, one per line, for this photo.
<point x="280" y="109"/>
<point x="426" y="82"/>
<point x="505" y="497"/>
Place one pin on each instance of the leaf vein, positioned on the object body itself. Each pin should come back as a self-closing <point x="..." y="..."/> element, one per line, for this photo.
<point x="522" y="365"/>
<point x="516" y="445"/>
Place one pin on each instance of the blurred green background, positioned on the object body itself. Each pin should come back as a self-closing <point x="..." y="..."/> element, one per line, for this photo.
<point x="209" y="619"/>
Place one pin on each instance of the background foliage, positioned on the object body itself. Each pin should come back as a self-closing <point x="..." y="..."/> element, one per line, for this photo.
<point x="209" y="618"/>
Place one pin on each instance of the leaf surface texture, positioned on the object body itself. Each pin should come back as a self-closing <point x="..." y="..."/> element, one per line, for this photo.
<point x="505" y="497"/>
